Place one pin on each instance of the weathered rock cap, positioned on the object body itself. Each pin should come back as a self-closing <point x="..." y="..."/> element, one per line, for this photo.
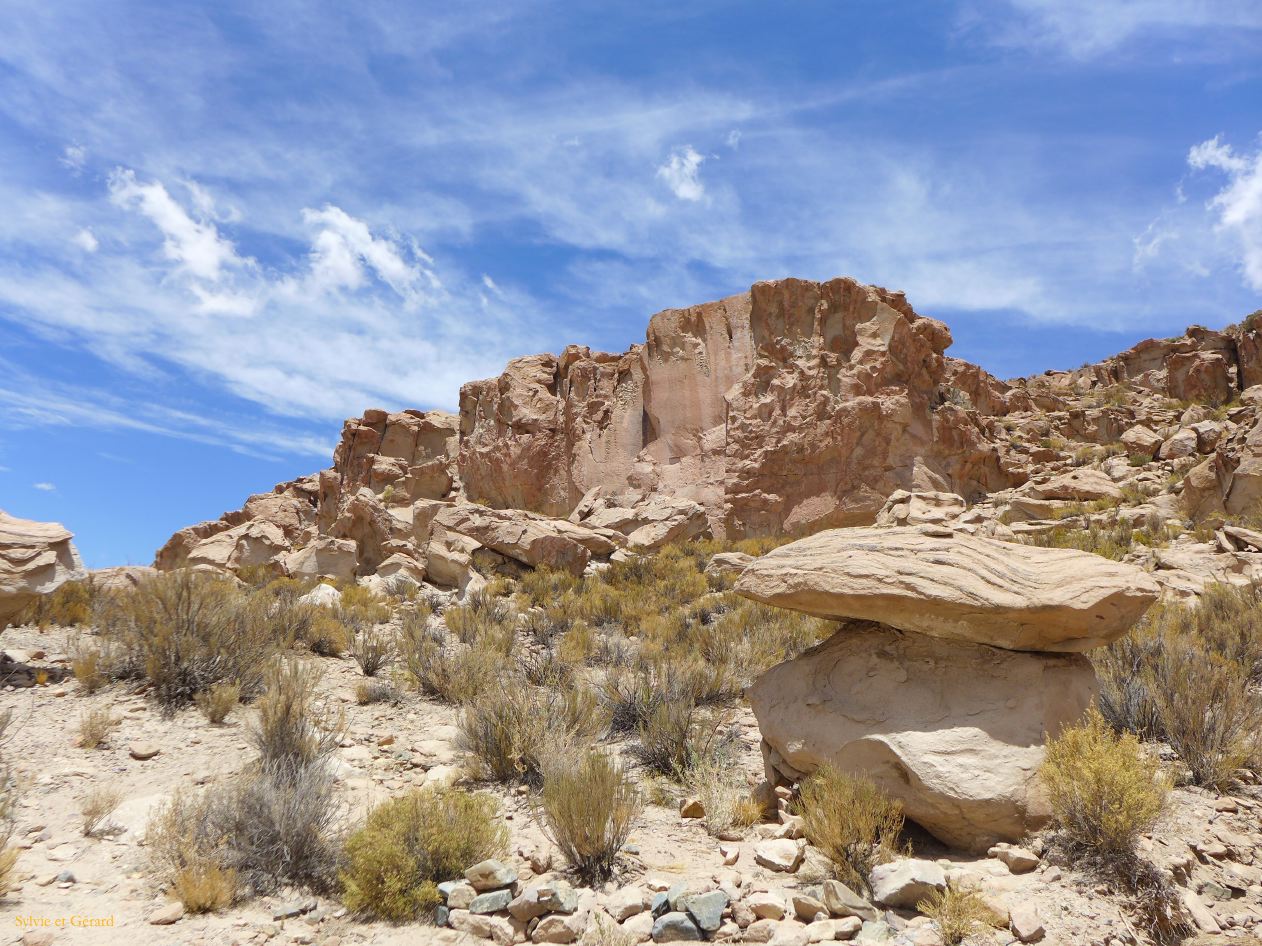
<point x="955" y="587"/>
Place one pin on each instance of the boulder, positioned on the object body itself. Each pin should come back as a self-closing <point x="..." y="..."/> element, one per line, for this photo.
<point x="1141" y="441"/>
<point x="954" y="731"/>
<point x="120" y="577"/>
<point x="530" y="539"/>
<point x="904" y="508"/>
<point x="904" y="883"/>
<point x="1081" y="485"/>
<point x="35" y="559"/>
<point x="324" y="558"/>
<point x="962" y="588"/>
<point x="1181" y="444"/>
<point x="253" y="543"/>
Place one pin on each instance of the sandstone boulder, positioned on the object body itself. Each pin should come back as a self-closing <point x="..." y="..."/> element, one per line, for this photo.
<point x="35" y="558"/>
<point x="904" y="508"/>
<point x="1081" y="485"/>
<point x="324" y="558"/>
<point x="954" y="731"/>
<point x="528" y="538"/>
<point x="962" y="588"/>
<point x="1141" y="441"/>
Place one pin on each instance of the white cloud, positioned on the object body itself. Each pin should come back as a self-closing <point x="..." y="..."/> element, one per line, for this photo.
<point x="45" y="487"/>
<point x="342" y="245"/>
<point x="85" y="241"/>
<point x="681" y="172"/>
<point x="1238" y="205"/>
<point x="195" y="245"/>
<point x="1088" y="28"/>
<point x="734" y="138"/>
<point x="74" y="157"/>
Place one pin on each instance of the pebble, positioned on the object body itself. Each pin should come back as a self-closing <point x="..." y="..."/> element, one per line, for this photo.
<point x="143" y="751"/>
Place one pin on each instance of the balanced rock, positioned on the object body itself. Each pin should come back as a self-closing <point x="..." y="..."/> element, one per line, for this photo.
<point x="954" y="731"/>
<point x="35" y="558"/>
<point x="956" y="587"/>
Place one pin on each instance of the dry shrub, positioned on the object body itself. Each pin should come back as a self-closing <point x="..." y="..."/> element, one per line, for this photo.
<point x="717" y="781"/>
<point x="95" y="727"/>
<point x="959" y="913"/>
<point x="454" y="676"/>
<point x="291" y="730"/>
<point x="186" y="855"/>
<point x="97" y="807"/>
<point x="373" y="650"/>
<point x="1103" y="789"/>
<point x="87" y="664"/>
<point x="851" y="821"/>
<point x="183" y="632"/>
<point x="588" y="809"/>
<point x="677" y="736"/>
<point x="368" y="692"/>
<point x="219" y="701"/>
<point x="482" y="618"/>
<point x="510" y="731"/>
<point x="68" y="605"/>
<point x="1105" y="794"/>
<point x="1188" y="676"/>
<point x="412" y="843"/>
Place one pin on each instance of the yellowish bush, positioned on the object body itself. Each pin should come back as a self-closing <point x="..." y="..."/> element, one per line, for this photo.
<point x="95" y="727"/>
<point x="851" y="821"/>
<point x="588" y="809"/>
<point x="412" y="843"/>
<point x="1103" y="789"/>
<point x="291" y="729"/>
<point x="959" y="913"/>
<point x="68" y="605"/>
<point x="97" y="807"/>
<point x="219" y="701"/>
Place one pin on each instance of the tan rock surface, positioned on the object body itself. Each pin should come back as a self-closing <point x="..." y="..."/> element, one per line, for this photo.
<point x="961" y="588"/>
<point x="954" y="731"/>
<point x="35" y="558"/>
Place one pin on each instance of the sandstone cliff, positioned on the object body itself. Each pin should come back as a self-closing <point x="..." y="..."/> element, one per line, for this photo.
<point x="790" y="408"/>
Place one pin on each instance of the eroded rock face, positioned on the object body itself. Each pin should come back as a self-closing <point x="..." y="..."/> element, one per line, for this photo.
<point x="793" y="407"/>
<point x="954" y="731"/>
<point x="955" y="587"/>
<point x="35" y="558"/>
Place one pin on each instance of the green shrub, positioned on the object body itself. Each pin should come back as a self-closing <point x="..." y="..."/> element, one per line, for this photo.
<point x="1102" y="788"/>
<point x="588" y="809"/>
<point x="851" y="821"/>
<point x="412" y="843"/>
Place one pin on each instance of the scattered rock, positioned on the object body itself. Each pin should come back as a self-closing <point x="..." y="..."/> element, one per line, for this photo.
<point x="904" y="883"/>
<point x="168" y="914"/>
<point x="143" y="751"/>
<point x="675" y="927"/>
<point x="691" y="808"/>
<point x="490" y="875"/>
<point x="779" y="854"/>
<point x="1025" y="923"/>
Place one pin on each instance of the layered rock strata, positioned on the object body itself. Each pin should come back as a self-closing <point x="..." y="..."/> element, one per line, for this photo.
<point x="35" y="558"/>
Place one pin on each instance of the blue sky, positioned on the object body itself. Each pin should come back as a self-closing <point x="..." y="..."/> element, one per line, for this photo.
<point x="224" y="226"/>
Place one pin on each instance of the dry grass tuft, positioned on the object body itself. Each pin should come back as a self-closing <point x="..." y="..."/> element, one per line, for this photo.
<point x="97" y="807"/>
<point x="588" y="809"/>
<point x="219" y="701"/>
<point x="95" y="727"/>
<point x="959" y="913"/>
<point x="851" y="820"/>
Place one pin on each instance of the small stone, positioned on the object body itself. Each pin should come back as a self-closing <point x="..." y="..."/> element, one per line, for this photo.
<point x="459" y="893"/>
<point x="485" y="927"/>
<point x="765" y="905"/>
<point x="781" y="854"/>
<point x="626" y="903"/>
<point x="490" y="875"/>
<point x="559" y="928"/>
<point x="823" y="931"/>
<point x="386" y="741"/>
<point x="143" y="751"/>
<point x="806" y="908"/>
<point x="66" y="877"/>
<point x="295" y="909"/>
<point x="691" y="808"/>
<point x="37" y="938"/>
<point x="844" y="902"/>
<point x="730" y="854"/>
<point x="167" y="915"/>
<point x="1026" y="924"/>
<point x="675" y="927"/>
<point x="491" y="902"/>
<point x="706" y="909"/>
<point x="1017" y="859"/>
<point x="904" y="883"/>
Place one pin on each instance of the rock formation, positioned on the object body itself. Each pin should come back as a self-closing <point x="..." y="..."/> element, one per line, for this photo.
<point x="948" y="702"/>
<point x="35" y="558"/>
<point x="958" y="588"/>
<point x="794" y="407"/>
